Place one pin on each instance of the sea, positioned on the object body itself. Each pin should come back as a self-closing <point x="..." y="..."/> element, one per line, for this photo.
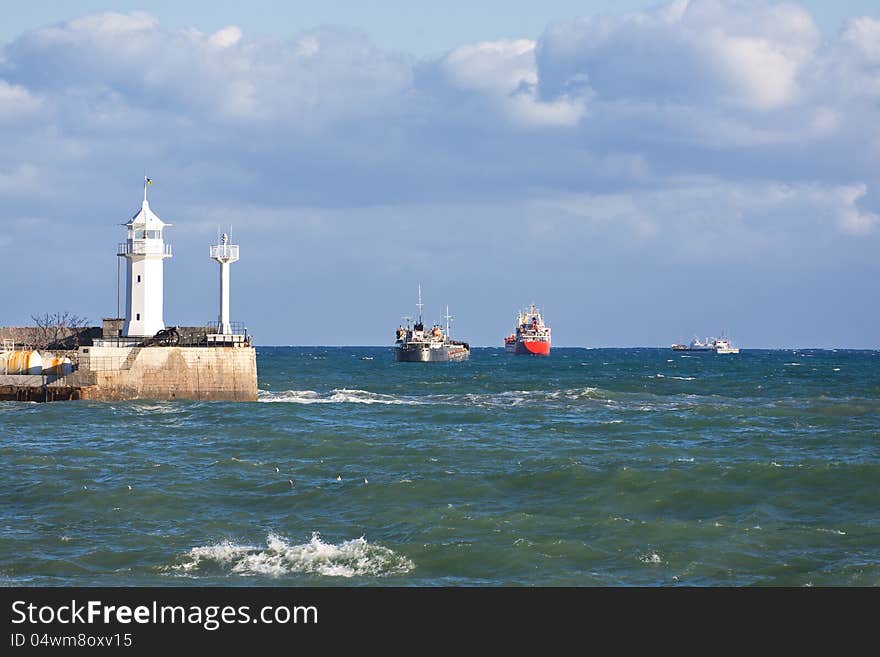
<point x="591" y="467"/>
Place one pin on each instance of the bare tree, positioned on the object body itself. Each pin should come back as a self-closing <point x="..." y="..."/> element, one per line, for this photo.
<point x="58" y="330"/>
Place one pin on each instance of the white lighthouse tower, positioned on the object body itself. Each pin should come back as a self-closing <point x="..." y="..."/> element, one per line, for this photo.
<point x="145" y="251"/>
<point x="224" y="253"/>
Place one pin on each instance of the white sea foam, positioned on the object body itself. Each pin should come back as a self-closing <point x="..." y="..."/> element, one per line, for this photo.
<point x="651" y="558"/>
<point x="336" y="396"/>
<point x="585" y="393"/>
<point x="238" y="460"/>
<point x="356" y="558"/>
<point x="364" y="397"/>
<point x="290" y="396"/>
<point x="794" y="364"/>
<point x="155" y="408"/>
<point x="836" y="369"/>
<point x="504" y="398"/>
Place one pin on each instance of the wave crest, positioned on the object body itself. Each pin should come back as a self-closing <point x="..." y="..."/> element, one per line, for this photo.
<point x="336" y="396"/>
<point x="347" y="559"/>
<point x="504" y="398"/>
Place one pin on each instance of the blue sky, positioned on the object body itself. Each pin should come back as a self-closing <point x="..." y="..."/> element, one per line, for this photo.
<point x="643" y="171"/>
<point x="414" y="26"/>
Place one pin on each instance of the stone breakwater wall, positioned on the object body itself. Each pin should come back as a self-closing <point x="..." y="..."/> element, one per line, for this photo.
<point x="160" y="373"/>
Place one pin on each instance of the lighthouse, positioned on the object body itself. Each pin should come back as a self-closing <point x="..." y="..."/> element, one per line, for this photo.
<point x="145" y="252"/>
<point x="224" y="253"/>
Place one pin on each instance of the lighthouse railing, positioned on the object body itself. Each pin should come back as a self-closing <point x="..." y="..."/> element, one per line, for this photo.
<point x="224" y="251"/>
<point x="237" y="328"/>
<point x="143" y="248"/>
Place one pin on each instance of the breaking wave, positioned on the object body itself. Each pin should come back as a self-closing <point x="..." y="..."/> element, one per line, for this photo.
<point x="356" y="558"/>
<point x="653" y="557"/>
<point x="336" y="396"/>
<point x="506" y="398"/>
<point x="588" y="396"/>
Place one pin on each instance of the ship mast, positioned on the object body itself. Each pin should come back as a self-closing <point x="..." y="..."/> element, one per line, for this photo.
<point x="420" y="304"/>
<point x="449" y="318"/>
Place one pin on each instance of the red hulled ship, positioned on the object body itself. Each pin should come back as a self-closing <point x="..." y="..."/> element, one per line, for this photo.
<point x="531" y="336"/>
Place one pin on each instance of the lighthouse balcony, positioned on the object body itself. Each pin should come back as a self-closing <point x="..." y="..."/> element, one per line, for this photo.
<point x="144" y="247"/>
<point x="227" y="252"/>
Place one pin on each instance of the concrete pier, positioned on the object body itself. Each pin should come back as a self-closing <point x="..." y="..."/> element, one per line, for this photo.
<point x="209" y="373"/>
<point x="160" y="373"/>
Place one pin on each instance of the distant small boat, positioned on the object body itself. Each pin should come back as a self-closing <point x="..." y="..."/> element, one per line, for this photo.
<point x="718" y="345"/>
<point x="722" y="346"/>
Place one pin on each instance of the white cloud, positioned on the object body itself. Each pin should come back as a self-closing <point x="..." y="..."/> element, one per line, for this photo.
<point x="505" y="73"/>
<point x="862" y="34"/>
<point x="228" y="36"/>
<point x="325" y="76"/>
<point x="851" y="219"/>
<point x="497" y="67"/>
<point x="16" y="101"/>
<point x="709" y="220"/>
<point x="731" y="53"/>
<point x="760" y="74"/>
<point x="702" y="87"/>
<point x="109" y="25"/>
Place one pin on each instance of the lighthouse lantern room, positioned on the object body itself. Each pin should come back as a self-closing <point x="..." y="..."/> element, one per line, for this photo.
<point x="145" y="252"/>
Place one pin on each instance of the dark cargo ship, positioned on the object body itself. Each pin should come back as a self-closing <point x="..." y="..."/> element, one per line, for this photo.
<point x="414" y="344"/>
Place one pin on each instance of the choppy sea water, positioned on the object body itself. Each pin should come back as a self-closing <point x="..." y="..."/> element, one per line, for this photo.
<point x="591" y="467"/>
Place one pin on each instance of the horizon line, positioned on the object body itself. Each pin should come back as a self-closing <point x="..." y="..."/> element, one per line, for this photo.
<point x="380" y="346"/>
